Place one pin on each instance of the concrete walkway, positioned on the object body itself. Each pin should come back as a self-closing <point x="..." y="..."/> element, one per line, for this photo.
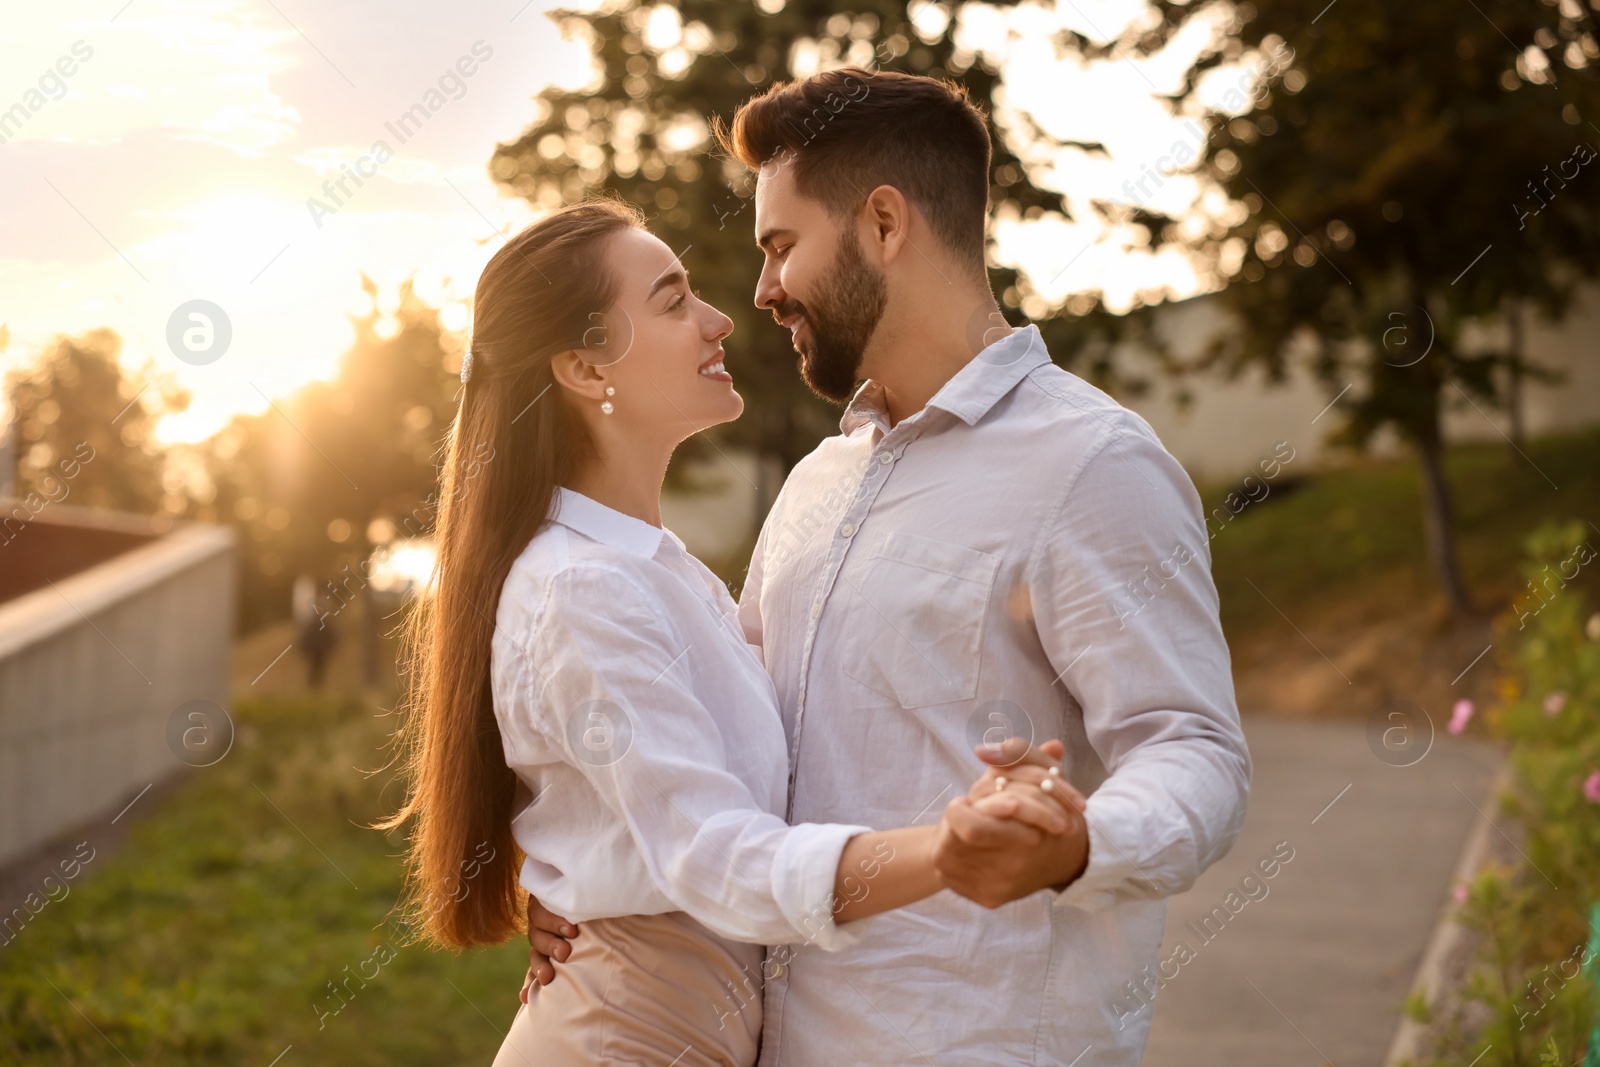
<point x="1315" y="970"/>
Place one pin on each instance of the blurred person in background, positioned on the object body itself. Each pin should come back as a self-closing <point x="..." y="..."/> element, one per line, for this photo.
<point x="312" y="635"/>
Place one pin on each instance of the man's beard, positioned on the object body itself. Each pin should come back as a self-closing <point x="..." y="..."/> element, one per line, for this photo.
<point x="841" y="320"/>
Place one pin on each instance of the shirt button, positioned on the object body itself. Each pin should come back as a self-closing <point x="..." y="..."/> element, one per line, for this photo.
<point x="886" y="458"/>
<point x="801" y="695"/>
<point x="847" y="529"/>
<point x="816" y="609"/>
<point x="775" y="971"/>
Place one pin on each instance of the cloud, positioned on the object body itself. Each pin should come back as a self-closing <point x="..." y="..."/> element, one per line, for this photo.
<point x="202" y="75"/>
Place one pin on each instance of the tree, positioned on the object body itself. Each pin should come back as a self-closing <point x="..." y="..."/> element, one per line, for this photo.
<point x="316" y="482"/>
<point x="84" y="430"/>
<point x="641" y="132"/>
<point x="1409" y="170"/>
<point x="1348" y="162"/>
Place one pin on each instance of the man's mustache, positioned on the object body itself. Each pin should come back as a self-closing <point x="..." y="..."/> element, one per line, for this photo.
<point x="783" y="311"/>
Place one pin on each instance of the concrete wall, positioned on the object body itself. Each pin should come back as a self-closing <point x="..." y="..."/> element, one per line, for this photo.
<point x="1226" y="427"/>
<point x="93" y="666"/>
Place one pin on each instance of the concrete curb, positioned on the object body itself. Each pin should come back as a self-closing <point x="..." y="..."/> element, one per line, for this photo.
<point x="1449" y="938"/>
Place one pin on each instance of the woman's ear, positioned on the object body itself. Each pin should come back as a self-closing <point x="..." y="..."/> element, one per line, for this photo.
<point x="579" y="376"/>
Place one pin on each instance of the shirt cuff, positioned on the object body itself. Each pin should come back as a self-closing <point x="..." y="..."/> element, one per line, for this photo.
<point x="1109" y="871"/>
<point x="804" y="871"/>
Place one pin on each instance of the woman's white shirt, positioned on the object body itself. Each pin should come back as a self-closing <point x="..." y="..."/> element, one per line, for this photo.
<point x="646" y="734"/>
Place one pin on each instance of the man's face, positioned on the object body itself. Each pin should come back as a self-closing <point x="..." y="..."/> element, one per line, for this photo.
<point x="816" y="282"/>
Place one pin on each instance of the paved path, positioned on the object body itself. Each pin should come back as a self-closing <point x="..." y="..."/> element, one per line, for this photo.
<point x="1315" y="970"/>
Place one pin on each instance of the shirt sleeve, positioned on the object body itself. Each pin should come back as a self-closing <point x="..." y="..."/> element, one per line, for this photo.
<point x="615" y="693"/>
<point x="1125" y="607"/>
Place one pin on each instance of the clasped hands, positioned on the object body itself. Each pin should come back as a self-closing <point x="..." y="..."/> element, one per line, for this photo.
<point x="1019" y="829"/>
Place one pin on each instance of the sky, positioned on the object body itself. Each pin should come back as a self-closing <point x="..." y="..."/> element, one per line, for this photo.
<point x="158" y="152"/>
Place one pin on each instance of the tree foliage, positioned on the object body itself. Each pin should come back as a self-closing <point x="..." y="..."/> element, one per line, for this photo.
<point x="1409" y="172"/>
<point x="641" y="130"/>
<point x="84" y="431"/>
<point x="320" y="479"/>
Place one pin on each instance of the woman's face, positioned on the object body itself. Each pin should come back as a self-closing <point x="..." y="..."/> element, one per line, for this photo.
<point x="660" y="346"/>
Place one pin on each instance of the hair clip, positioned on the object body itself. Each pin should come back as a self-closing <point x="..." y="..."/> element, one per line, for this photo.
<point x="466" y="367"/>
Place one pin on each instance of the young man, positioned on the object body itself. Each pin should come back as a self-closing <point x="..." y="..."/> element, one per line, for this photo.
<point x="990" y="547"/>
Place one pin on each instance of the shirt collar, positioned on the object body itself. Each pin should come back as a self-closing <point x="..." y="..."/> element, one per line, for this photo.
<point x="608" y="526"/>
<point x="971" y="392"/>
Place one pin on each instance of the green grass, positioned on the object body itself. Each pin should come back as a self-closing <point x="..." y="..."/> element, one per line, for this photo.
<point x="210" y="936"/>
<point x="1358" y="531"/>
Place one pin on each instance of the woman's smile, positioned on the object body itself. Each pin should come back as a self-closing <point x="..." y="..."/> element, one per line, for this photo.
<point x="713" y="368"/>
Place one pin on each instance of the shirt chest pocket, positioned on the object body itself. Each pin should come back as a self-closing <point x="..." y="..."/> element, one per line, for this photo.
<point x="918" y="610"/>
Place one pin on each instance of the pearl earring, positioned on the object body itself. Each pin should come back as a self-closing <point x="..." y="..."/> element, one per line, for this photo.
<point x="607" y="406"/>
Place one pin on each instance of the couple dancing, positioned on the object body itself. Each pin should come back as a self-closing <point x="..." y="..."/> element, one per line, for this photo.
<point x="760" y="830"/>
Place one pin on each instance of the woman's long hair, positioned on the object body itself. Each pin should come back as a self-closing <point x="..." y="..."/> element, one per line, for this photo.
<point x="514" y="442"/>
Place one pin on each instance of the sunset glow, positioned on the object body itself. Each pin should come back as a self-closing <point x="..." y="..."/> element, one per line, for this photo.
<point x="230" y="155"/>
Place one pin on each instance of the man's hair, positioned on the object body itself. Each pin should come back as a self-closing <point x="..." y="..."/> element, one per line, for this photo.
<point x="850" y="130"/>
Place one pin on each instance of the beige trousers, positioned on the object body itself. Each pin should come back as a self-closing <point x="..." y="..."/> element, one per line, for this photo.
<point x="644" y="989"/>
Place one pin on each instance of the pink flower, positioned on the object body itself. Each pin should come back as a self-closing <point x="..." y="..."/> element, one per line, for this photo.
<point x="1460" y="894"/>
<point x="1591" y="788"/>
<point x="1554" y="703"/>
<point x="1459" y="716"/>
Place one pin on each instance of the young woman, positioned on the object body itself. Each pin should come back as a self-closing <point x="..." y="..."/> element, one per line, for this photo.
<point x="586" y="715"/>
